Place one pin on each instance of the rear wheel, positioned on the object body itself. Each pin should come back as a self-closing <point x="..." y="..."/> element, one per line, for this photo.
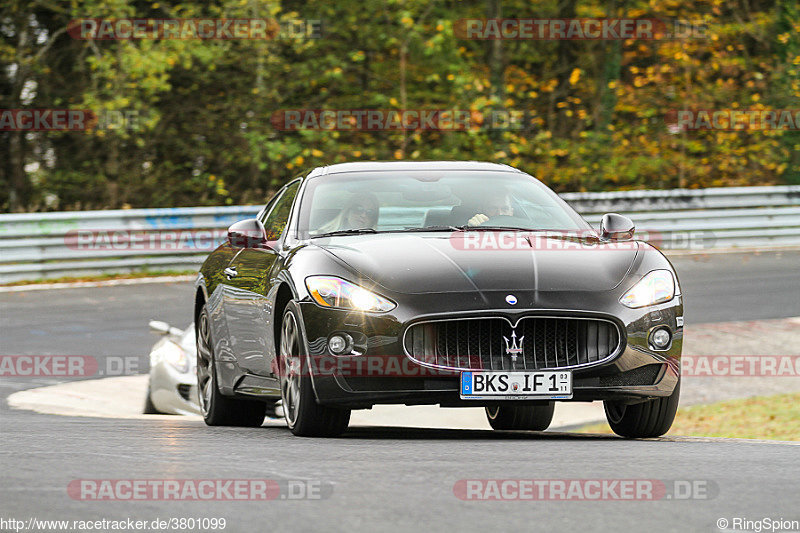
<point x="649" y="419"/>
<point x="219" y="410"/>
<point x="527" y="417"/>
<point x="304" y="416"/>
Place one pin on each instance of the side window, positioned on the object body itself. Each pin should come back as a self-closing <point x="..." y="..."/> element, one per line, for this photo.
<point x="279" y="215"/>
<point x="262" y="216"/>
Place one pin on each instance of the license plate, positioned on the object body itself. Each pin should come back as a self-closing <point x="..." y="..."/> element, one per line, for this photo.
<point x="516" y="385"/>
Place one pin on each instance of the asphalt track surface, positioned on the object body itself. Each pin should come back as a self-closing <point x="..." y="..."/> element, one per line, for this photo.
<point x="379" y="479"/>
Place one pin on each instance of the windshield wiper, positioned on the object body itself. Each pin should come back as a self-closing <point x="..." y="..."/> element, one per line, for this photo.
<point x="493" y="228"/>
<point x="431" y="228"/>
<point x="360" y="231"/>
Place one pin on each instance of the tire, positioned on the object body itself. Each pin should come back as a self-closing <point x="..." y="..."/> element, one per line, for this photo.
<point x="645" y="420"/>
<point x="149" y="406"/>
<point x="217" y="409"/>
<point x="304" y="416"/>
<point x="521" y="417"/>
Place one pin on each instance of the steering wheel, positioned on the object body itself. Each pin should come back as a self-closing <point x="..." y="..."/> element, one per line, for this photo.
<point x="507" y="221"/>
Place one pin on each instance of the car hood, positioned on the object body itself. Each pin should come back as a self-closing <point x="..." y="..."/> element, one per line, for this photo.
<point x="436" y="262"/>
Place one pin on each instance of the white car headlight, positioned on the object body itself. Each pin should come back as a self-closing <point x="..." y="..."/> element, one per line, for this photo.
<point x="177" y="358"/>
<point x="656" y="287"/>
<point x="172" y="354"/>
<point x="330" y="291"/>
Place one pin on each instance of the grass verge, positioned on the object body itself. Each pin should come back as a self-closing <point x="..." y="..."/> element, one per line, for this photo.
<point x="102" y="277"/>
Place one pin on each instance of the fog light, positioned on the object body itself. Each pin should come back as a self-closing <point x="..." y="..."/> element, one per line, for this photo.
<point x="337" y="344"/>
<point x="660" y="338"/>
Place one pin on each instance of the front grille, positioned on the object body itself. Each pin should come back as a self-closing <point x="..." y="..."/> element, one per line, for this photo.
<point x="492" y="344"/>
<point x="643" y="375"/>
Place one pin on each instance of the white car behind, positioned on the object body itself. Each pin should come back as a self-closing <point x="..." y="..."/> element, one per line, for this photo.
<point x="172" y="388"/>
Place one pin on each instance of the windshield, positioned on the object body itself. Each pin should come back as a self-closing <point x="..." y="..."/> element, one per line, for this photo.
<point x="437" y="200"/>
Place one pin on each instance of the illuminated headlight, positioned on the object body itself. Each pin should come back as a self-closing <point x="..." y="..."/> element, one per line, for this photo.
<point x="172" y="354"/>
<point x="330" y="291"/>
<point x="656" y="287"/>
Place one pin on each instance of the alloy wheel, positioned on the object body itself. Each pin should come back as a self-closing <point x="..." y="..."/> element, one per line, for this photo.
<point x="205" y="358"/>
<point x="290" y="368"/>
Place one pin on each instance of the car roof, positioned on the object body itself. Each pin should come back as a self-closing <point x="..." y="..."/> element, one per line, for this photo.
<point x="377" y="166"/>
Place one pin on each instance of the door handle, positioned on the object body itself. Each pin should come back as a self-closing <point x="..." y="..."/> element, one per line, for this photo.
<point x="230" y="272"/>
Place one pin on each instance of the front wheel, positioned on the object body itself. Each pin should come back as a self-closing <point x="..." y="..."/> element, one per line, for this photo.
<point x="649" y="419"/>
<point x="149" y="407"/>
<point x="304" y="416"/>
<point x="217" y="409"/>
<point x="523" y="417"/>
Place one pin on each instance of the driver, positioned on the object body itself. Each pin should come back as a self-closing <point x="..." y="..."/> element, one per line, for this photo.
<point x="361" y="212"/>
<point x="498" y="203"/>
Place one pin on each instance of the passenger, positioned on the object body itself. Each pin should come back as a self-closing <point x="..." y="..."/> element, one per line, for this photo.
<point x="361" y="212"/>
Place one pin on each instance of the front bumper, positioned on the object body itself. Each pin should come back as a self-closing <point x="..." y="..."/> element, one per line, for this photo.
<point x="172" y="391"/>
<point x="636" y="373"/>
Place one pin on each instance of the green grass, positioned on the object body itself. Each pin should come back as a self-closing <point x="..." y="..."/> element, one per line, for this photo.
<point x="761" y="417"/>
<point x="102" y="277"/>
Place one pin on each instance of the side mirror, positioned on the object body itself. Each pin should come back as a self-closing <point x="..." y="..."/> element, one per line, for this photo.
<point x="614" y="227"/>
<point x="162" y="328"/>
<point x="159" y="327"/>
<point x="249" y="233"/>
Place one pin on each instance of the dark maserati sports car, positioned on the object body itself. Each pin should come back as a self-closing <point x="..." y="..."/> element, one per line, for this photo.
<point x="461" y="284"/>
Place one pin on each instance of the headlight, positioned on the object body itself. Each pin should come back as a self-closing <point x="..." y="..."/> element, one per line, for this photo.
<point x="172" y="354"/>
<point x="656" y="287"/>
<point x="178" y="359"/>
<point x="330" y="291"/>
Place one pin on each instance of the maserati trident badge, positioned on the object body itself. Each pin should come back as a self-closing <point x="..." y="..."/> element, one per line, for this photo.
<point x="512" y="348"/>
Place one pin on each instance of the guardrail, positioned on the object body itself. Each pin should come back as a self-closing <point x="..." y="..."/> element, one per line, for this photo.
<point x="729" y="217"/>
<point x="48" y="245"/>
